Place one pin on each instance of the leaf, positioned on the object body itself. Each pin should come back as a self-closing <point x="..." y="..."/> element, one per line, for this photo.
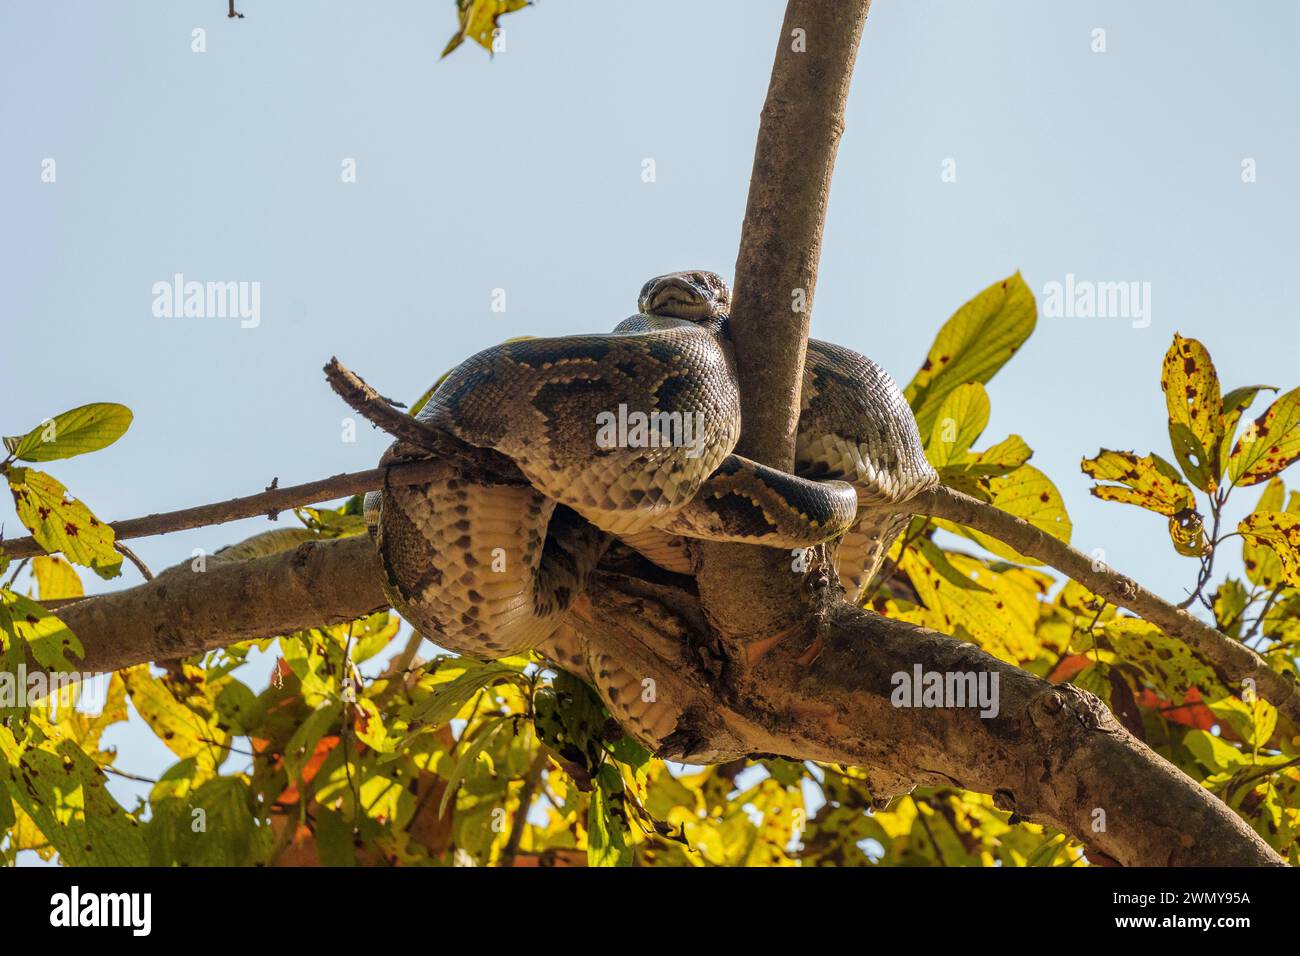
<point x="478" y="18"/>
<point x="607" y="823"/>
<point x="1154" y="484"/>
<point x="67" y="798"/>
<point x="1262" y="566"/>
<point x="85" y="429"/>
<point x="1216" y="753"/>
<point x="1149" y="482"/>
<point x="302" y="745"/>
<point x="1166" y="662"/>
<point x="486" y="732"/>
<point x="1230" y="601"/>
<point x="1193" y="400"/>
<point x="454" y="685"/>
<point x="1029" y="494"/>
<point x="186" y="732"/>
<point x="63" y="524"/>
<point x="1280" y="531"/>
<point x="972" y="345"/>
<point x="55" y="578"/>
<point x="1269" y="443"/>
<point x="46" y="637"/>
<point x="961" y="420"/>
<point x="1234" y="404"/>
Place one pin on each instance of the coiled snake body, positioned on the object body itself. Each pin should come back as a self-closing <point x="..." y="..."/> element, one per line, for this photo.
<point x="630" y="434"/>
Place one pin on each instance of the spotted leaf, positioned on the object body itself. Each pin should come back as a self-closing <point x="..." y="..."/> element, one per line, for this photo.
<point x="60" y="523"/>
<point x="1269" y="443"/>
<point x="1280" y="531"/>
<point x="1194" y="403"/>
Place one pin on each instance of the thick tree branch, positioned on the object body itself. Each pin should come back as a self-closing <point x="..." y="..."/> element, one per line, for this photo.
<point x="1234" y="662"/>
<point x="1052" y="754"/>
<point x="749" y="592"/>
<point x="186" y="611"/>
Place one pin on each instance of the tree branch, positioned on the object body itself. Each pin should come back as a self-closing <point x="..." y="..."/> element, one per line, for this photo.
<point x="749" y="592"/>
<point x="1234" y="662"/>
<point x="269" y="503"/>
<point x="1052" y="754"/>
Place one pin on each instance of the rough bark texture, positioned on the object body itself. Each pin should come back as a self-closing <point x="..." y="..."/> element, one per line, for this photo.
<point x="183" y="611"/>
<point x="749" y="592"/>
<point x="1052" y="754"/>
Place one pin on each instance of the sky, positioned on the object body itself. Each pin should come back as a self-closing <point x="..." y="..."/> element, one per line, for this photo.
<point x="981" y="139"/>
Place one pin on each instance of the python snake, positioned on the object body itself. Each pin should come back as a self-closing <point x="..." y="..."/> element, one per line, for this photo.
<point x="629" y="435"/>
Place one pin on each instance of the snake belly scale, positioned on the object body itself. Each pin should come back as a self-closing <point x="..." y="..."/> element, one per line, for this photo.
<point x="490" y="569"/>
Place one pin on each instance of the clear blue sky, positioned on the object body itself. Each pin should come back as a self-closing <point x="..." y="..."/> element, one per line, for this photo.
<point x="524" y="173"/>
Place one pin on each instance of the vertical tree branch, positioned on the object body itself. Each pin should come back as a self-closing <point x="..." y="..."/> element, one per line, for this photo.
<point x="750" y="591"/>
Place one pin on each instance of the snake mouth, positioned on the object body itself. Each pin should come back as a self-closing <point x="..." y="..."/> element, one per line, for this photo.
<point x="680" y="295"/>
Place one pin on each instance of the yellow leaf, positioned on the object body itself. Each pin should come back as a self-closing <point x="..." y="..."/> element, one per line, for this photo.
<point x="1280" y="530"/>
<point x="478" y="20"/>
<point x="1149" y="482"/>
<point x="61" y="523"/>
<point x="186" y="732"/>
<point x="972" y="345"/>
<point x="961" y="420"/>
<point x="1262" y="566"/>
<point x="1195" y="406"/>
<point x="1269" y="443"/>
<point x="1029" y="494"/>
<point x="55" y="578"/>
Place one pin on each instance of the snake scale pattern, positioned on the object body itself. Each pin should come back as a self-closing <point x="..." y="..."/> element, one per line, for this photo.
<point x="629" y="435"/>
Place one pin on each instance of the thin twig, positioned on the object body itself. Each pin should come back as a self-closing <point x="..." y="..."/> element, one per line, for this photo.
<point x="252" y="506"/>
<point x="134" y="559"/>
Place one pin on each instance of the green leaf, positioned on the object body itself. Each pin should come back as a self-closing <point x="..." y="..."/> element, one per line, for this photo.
<point x="1269" y="443"/>
<point x="85" y="429"/>
<point x="972" y="345"/>
<point x="607" y="823"/>
<point x="486" y="731"/>
<point x="1234" y="404"/>
<point x="302" y="745"/>
<point x="454" y="685"/>
<point x="25" y="623"/>
<point x="961" y="420"/>
<point x="1195" y="406"/>
<point x="66" y="795"/>
<point x="61" y="523"/>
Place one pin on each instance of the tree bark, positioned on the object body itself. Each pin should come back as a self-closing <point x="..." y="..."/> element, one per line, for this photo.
<point x="1051" y="754"/>
<point x="750" y="593"/>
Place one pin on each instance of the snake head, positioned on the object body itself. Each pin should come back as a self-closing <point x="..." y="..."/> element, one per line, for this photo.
<point x="695" y="296"/>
